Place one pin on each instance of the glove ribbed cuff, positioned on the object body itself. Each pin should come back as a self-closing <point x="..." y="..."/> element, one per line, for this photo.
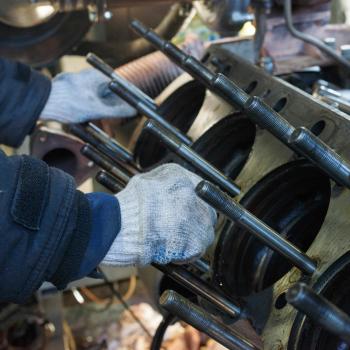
<point x="56" y="105"/>
<point x="128" y="247"/>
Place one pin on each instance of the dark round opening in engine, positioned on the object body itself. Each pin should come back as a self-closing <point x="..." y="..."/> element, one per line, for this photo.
<point x="293" y="200"/>
<point x="180" y="109"/>
<point x="227" y="145"/>
<point x="334" y="284"/>
<point x="63" y="159"/>
<point x="25" y="334"/>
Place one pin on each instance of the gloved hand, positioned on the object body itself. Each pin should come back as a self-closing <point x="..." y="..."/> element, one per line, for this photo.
<point x="162" y="219"/>
<point x="80" y="97"/>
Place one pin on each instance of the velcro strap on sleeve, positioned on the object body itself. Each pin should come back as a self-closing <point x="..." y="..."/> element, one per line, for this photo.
<point x="31" y="193"/>
<point x="77" y="246"/>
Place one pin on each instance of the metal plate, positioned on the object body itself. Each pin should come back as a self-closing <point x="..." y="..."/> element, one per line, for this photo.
<point x="300" y="109"/>
<point x="267" y="154"/>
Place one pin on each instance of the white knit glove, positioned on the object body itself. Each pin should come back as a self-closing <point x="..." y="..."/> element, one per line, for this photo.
<point x="162" y="219"/>
<point x="80" y="97"/>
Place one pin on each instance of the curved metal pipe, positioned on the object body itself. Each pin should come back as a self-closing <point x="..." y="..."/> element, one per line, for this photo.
<point x="311" y="39"/>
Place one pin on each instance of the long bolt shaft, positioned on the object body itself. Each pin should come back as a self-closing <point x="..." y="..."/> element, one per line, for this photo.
<point x="145" y="109"/>
<point x="108" y="71"/>
<point x="193" y="158"/>
<point x="267" y="118"/>
<point x="224" y="204"/>
<point x="134" y="96"/>
<point x="109" y="182"/>
<point x="197" y="286"/>
<point x="89" y="152"/>
<point x="321" y="155"/>
<point x="218" y="83"/>
<point x="320" y="310"/>
<point x="101" y="146"/>
<point x="203" y="321"/>
<point x="262" y="114"/>
<point x="115" y="146"/>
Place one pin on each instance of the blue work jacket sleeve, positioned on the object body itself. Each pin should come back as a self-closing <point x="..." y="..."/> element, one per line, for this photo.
<point x="49" y="231"/>
<point x="23" y="95"/>
<point x="45" y="227"/>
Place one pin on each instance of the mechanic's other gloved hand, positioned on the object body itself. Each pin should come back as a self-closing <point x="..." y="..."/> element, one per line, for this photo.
<point x="162" y="219"/>
<point x="80" y="97"/>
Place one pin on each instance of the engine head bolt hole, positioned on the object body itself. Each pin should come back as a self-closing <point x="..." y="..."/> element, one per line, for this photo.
<point x="318" y="127"/>
<point x="251" y="87"/>
<point x="280" y="104"/>
<point x="205" y="58"/>
<point x="266" y="94"/>
<point x="281" y="301"/>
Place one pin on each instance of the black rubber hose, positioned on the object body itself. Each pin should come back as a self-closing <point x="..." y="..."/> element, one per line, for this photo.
<point x="160" y="332"/>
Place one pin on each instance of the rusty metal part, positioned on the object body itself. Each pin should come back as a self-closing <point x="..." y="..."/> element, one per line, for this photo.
<point x="62" y="151"/>
<point x="321" y="45"/>
<point x="290" y="54"/>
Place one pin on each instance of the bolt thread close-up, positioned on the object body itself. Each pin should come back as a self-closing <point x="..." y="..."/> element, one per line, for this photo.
<point x="268" y="119"/>
<point x="322" y="155"/>
<point x="320" y="310"/>
<point x="228" y="90"/>
<point x="203" y="321"/>
<point x="219" y="200"/>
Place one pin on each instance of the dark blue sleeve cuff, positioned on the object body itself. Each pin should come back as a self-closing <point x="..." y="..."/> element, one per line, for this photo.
<point x="23" y="95"/>
<point x="106" y="222"/>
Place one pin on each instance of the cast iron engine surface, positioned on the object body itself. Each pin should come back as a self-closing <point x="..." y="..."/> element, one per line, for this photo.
<point x="278" y="186"/>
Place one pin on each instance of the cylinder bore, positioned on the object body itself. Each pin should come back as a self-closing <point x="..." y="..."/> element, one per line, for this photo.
<point x="293" y="199"/>
<point x="63" y="159"/>
<point x="334" y="284"/>
<point x="180" y="109"/>
<point x="227" y="144"/>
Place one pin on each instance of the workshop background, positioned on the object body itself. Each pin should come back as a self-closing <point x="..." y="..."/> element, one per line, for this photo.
<point x="287" y="151"/>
